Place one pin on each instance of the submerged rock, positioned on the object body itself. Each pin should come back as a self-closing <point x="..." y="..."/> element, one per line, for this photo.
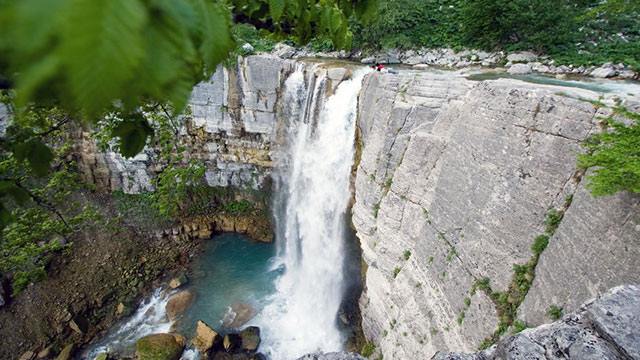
<point x="178" y="303"/>
<point x="160" y="347"/>
<point x="205" y="338"/>
<point x="238" y="315"/>
<point x="250" y="338"/>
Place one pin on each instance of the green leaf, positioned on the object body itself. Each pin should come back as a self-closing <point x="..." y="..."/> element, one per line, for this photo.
<point x="10" y="188"/>
<point x="5" y="216"/>
<point x="102" y="45"/>
<point x="133" y="133"/>
<point x="36" y="153"/>
<point x="216" y="39"/>
<point x="276" y="9"/>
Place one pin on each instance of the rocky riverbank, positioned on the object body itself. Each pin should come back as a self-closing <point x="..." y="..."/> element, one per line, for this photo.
<point x="519" y="63"/>
<point x="109" y="267"/>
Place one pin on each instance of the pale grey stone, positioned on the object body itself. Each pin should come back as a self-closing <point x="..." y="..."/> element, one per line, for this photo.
<point x="519" y="69"/>
<point x="603" y="328"/>
<point x="522" y="57"/>
<point x="604" y="72"/>
<point x="462" y="174"/>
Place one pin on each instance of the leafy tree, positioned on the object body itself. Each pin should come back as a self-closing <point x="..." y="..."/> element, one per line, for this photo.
<point x="37" y="212"/>
<point x="410" y="23"/>
<point x="615" y="155"/>
<point x="519" y="24"/>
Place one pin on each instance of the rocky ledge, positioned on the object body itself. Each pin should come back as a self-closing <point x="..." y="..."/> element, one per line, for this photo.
<point x="517" y="63"/>
<point x="607" y="327"/>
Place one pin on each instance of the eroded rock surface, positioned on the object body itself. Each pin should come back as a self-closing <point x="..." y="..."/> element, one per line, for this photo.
<point x="455" y="181"/>
<point x="231" y="129"/>
<point x="604" y="328"/>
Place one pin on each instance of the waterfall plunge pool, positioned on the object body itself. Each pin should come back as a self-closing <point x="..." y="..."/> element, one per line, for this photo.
<point x="231" y="272"/>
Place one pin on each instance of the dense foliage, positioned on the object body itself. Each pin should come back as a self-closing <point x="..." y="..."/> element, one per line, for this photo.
<point x="615" y="155"/>
<point x="571" y="31"/>
<point x="127" y="68"/>
<point x="37" y="210"/>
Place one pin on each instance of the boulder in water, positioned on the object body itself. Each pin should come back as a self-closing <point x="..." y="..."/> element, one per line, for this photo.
<point x="178" y="303"/>
<point x="231" y="342"/>
<point x="178" y="281"/>
<point x="237" y="315"/>
<point x="160" y="347"/>
<point x="205" y="338"/>
<point x="250" y="338"/>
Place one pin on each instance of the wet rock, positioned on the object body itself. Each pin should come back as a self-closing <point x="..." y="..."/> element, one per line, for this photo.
<point x="250" y="338"/>
<point x="238" y="315"/>
<point x="519" y="69"/>
<point x="178" y="281"/>
<point x="79" y="324"/>
<point x="159" y="347"/>
<point x="231" y="342"/>
<point x="178" y="303"/>
<point x="66" y="353"/>
<point x="205" y="338"/>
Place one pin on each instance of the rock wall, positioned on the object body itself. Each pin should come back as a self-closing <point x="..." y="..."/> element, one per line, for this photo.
<point x="607" y="327"/>
<point x="231" y="128"/>
<point x="455" y="181"/>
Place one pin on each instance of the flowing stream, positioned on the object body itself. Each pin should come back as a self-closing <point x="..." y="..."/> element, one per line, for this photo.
<point x="312" y="195"/>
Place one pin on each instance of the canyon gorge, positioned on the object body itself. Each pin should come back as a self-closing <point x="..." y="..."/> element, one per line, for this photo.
<point x="405" y="209"/>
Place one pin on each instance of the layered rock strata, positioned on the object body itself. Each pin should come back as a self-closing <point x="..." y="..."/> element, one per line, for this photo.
<point x="455" y="181"/>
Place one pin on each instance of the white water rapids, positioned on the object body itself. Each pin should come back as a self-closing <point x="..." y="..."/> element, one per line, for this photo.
<point x="312" y="195"/>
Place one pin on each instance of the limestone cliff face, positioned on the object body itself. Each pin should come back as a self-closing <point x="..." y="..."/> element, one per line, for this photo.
<point x="455" y="181"/>
<point x="602" y="328"/>
<point x="231" y="129"/>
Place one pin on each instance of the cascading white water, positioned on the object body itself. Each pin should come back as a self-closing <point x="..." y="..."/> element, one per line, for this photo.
<point x="149" y="318"/>
<point x="311" y="202"/>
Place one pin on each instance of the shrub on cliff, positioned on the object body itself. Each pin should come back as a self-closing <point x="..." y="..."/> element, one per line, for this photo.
<point x="614" y="156"/>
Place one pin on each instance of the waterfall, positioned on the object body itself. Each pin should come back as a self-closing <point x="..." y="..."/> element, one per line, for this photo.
<point x="312" y="195"/>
